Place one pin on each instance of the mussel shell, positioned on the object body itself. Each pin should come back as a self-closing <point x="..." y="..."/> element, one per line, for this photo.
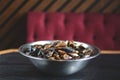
<point x="68" y="49"/>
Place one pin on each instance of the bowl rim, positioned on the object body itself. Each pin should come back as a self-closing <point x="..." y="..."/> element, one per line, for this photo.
<point x="38" y="58"/>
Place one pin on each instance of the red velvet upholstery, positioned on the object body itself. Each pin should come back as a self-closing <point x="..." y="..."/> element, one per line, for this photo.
<point x="102" y="30"/>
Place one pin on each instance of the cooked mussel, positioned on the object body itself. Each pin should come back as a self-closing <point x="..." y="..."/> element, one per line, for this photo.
<point x="59" y="50"/>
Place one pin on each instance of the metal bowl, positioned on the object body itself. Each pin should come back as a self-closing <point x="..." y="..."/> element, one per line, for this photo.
<point x="56" y="67"/>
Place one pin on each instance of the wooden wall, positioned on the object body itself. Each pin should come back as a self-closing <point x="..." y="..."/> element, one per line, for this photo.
<point x="13" y="15"/>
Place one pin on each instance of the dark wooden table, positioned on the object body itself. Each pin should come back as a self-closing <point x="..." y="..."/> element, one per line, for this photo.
<point x="14" y="66"/>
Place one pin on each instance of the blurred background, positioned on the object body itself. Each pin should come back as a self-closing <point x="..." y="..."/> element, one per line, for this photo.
<point x="13" y="15"/>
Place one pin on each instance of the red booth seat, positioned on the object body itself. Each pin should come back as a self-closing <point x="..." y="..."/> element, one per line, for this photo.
<point x="101" y="30"/>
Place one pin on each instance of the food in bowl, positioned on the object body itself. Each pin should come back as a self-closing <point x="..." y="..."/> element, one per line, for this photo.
<point x="71" y="56"/>
<point x="59" y="50"/>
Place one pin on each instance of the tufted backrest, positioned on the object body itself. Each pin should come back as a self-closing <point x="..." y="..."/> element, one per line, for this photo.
<point x="102" y="30"/>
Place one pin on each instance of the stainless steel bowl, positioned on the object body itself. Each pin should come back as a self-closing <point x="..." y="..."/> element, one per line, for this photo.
<point x="56" y="67"/>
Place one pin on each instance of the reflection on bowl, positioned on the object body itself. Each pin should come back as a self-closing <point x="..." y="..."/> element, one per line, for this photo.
<point x="59" y="67"/>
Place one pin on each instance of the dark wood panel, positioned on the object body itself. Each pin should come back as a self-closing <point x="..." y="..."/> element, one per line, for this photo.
<point x="85" y="5"/>
<point x="59" y="3"/>
<point x="42" y="6"/>
<point x="10" y="10"/>
<point x="97" y="7"/>
<point x="3" y="3"/>
<point x="70" y="6"/>
<point x="111" y="7"/>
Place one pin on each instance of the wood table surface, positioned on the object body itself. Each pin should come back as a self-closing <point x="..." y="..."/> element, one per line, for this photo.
<point x="14" y="66"/>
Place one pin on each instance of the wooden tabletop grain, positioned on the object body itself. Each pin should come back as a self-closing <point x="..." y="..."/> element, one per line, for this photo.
<point x="14" y="66"/>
